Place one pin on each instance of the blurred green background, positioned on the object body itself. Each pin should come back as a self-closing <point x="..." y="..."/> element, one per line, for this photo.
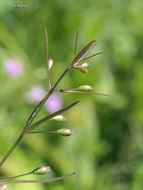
<point x="106" y="149"/>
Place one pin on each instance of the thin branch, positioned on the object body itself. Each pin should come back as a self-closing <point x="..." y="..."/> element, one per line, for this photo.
<point x="82" y="92"/>
<point x="35" y="125"/>
<point x="40" y="181"/>
<point x="8" y="178"/>
<point x="92" y="55"/>
<point x="38" y="108"/>
<point x="37" y="132"/>
<point x="83" y="52"/>
<point x="47" y="60"/>
<point x="11" y="149"/>
<point x="62" y="90"/>
<point x="76" y="43"/>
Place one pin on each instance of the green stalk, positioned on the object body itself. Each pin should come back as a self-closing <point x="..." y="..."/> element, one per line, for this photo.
<point x="9" y="178"/>
<point x="11" y="149"/>
<point x="33" y="115"/>
<point x="39" y="181"/>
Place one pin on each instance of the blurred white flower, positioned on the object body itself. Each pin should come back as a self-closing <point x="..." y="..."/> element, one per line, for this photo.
<point x="13" y="67"/>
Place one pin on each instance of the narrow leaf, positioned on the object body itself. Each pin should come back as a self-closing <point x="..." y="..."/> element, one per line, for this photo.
<point x="35" y="125"/>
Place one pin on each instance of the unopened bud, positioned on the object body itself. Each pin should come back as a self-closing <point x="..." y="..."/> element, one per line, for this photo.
<point x="83" y="70"/>
<point x="59" y="118"/>
<point x="84" y="65"/>
<point x="3" y="187"/>
<point x="50" y="60"/>
<point x="41" y="170"/>
<point x="85" y="88"/>
<point x="64" y="132"/>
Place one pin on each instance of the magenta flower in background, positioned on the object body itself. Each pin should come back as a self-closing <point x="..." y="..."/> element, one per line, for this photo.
<point x="53" y="103"/>
<point x="13" y="67"/>
<point x="35" y="95"/>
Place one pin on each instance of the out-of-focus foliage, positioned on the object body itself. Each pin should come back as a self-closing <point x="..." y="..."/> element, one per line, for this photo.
<point x="107" y="146"/>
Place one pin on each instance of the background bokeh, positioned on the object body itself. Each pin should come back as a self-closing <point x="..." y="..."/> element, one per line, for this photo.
<point x="106" y="149"/>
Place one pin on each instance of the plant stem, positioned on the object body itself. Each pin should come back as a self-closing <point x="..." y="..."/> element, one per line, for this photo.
<point x="8" y="178"/>
<point x="92" y="56"/>
<point x="40" y="181"/>
<point x="37" y="132"/>
<point x="35" y="112"/>
<point x="11" y="149"/>
<point x="84" y="92"/>
<point x="35" y="125"/>
<point x="32" y="117"/>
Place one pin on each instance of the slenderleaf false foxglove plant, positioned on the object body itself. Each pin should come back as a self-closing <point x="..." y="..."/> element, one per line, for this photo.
<point x="31" y="125"/>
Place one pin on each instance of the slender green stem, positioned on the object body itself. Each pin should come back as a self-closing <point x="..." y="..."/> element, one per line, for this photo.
<point x="37" y="132"/>
<point x="35" y="125"/>
<point x="40" y="105"/>
<point x="92" y="56"/>
<point x="82" y="92"/>
<point x="63" y="90"/>
<point x="32" y="117"/>
<point x="40" y="181"/>
<point x="35" y="112"/>
<point x="11" y="149"/>
<point x="8" y="178"/>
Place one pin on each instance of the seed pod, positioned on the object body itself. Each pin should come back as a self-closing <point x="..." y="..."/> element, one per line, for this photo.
<point x="83" y="69"/>
<point x="64" y="132"/>
<point x="50" y="60"/>
<point x="84" y="65"/>
<point x="42" y="170"/>
<point x="85" y="88"/>
<point x="59" y="118"/>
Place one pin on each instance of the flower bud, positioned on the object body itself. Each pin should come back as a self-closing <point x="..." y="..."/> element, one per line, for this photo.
<point x="85" y="88"/>
<point x="59" y="118"/>
<point x="3" y="187"/>
<point x="84" y="65"/>
<point x="50" y="60"/>
<point x="64" y="132"/>
<point x="41" y="170"/>
<point x="83" y="70"/>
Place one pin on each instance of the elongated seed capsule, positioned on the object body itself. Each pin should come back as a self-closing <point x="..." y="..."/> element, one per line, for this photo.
<point x="83" y="69"/>
<point x="64" y="132"/>
<point x="59" y="118"/>
<point x="84" y="65"/>
<point x="41" y="170"/>
<point x="50" y="60"/>
<point x="85" y="88"/>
